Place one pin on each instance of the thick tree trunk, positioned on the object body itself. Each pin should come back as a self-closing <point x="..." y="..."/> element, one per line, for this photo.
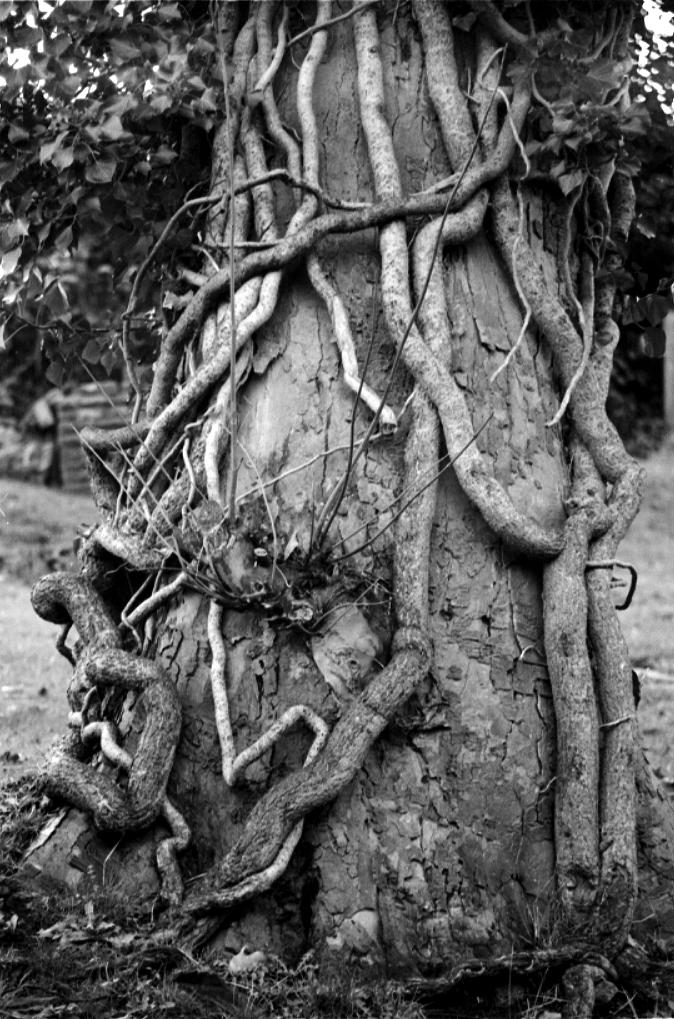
<point x="443" y="845"/>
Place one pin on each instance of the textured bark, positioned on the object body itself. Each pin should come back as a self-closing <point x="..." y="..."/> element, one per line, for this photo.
<point x="442" y="845"/>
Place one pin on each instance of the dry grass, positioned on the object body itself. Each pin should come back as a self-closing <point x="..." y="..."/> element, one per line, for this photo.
<point x="83" y="956"/>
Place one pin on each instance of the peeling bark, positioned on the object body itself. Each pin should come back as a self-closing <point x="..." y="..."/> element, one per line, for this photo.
<point x="465" y="801"/>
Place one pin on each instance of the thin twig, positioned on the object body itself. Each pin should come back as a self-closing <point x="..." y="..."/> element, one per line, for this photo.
<point x="520" y="292"/>
<point x="267" y="507"/>
<point x="331" y="21"/>
<point x="335" y="498"/>
<point x="295" y="181"/>
<point x="416" y="495"/>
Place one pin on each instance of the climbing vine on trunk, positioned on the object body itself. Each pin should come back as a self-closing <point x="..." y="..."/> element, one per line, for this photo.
<point x="522" y="112"/>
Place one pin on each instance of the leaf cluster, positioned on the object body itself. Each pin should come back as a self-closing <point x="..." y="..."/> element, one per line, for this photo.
<point x="106" y="119"/>
<point x="105" y="114"/>
<point x="579" y="122"/>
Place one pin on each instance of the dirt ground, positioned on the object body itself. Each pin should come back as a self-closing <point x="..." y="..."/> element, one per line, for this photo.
<point x="37" y="528"/>
<point x="649" y="621"/>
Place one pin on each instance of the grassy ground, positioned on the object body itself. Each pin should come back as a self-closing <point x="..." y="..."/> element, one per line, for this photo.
<point x="37" y="527"/>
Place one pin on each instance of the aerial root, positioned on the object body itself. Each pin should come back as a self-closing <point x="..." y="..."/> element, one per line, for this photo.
<point x="300" y="241"/>
<point x="586" y="322"/>
<point x="233" y="764"/>
<point x="167" y="860"/>
<point x="587" y="410"/>
<point x="482" y="488"/>
<point x="344" y="339"/>
<point x="519" y="239"/>
<point x="150" y="605"/>
<point x="317" y="275"/>
<point x="129" y="548"/>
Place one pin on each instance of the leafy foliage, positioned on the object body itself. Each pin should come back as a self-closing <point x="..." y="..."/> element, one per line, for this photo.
<point x="107" y="112"/>
<point x="104" y="113"/>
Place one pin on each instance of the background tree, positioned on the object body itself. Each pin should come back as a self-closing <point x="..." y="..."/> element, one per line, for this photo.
<point x="353" y="583"/>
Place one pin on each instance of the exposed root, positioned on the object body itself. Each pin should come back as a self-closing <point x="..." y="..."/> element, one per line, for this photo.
<point x="588" y="413"/>
<point x="586" y="321"/>
<point x="482" y="488"/>
<point x="156" y="599"/>
<point x="102" y="663"/>
<point x="233" y="764"/>
<point x="520" y="293"/>
<point x="344" y="340"/>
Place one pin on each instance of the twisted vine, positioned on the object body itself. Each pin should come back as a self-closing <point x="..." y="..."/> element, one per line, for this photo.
<point x="102" y="665"/>
<point x="150" y="511"/>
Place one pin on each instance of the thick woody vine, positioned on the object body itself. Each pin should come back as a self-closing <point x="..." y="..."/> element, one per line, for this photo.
<point x="171" y="471"/>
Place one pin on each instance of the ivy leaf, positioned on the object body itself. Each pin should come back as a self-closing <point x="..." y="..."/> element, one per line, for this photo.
<point x="606" y="72"/>
<point x="113" y="129"/>
<point x="653" y="342"/>
<point x="207" y="101"/>
<point x="56" y="299"/>
<point x="169" y="12"/>
<point x="55" y="373"/>
<point x="92" y="352"/>
<point x="569" y="181"/>
<point x="71" y="85"/>
<point x="465" y="22"/>
<point x="10" y="260"/>
<point x="631" y="314"/>
<point x="102" y="171"/>
<point x="48" y="150"/>
<point x="124" y="51"/>
<point x="654" y="307"/>
<point x="16" y="229"/>
<point x="108" y="360"/>
<point x="63" y="158"/>
<point x="562" y="125"/>
<point x="17" y="133"/>
<point x="164" y="155"/>
<point x="161" y="103"/>
<point x="172" y="300"/>
<point x="59" y="45"/>
<point x="64" y="239"/>
<point x="119" y="105"/>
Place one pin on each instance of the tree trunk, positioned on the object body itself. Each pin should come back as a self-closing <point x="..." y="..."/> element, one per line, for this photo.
<point x="444" y="844"/>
